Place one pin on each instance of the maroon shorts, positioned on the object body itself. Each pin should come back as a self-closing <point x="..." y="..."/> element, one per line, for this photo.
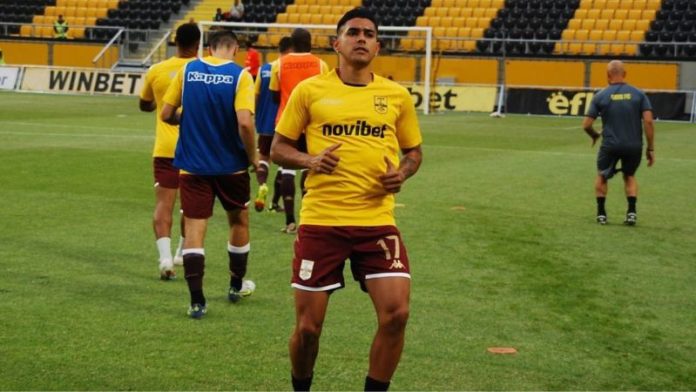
<point x="321" y="252"/>
<point x="166" y="175"/>
<point x="264" y="142"/>
<point x="198" y="193"/>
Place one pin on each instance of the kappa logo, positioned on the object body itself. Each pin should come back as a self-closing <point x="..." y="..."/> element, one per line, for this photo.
<point x="306" y="268"/>
<point x="397" y="264"/>
<point x="381" y="104"/>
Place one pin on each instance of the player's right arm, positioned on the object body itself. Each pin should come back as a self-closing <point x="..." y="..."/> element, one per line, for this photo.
<point x="147" y="95"/>
<point x="172" y="100"/>
<point x="244" y="104"/>
<point x="292" y="124"/>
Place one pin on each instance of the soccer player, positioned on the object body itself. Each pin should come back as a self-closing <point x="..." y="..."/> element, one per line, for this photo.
<point x="626" y="112"/>
<point x="216" y="146"/>
<point x="285" y="75"/>
<point x="266" y="112"/>
<point x="157" y="80"/>
<point x="355" y="123"/>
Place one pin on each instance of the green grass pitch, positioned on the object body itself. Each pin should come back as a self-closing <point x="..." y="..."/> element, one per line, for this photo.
<point x="499" y="224"/>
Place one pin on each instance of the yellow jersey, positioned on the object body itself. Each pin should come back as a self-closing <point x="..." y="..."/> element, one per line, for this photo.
<point x="371" y="122"/>
<point x="157" y="80"/>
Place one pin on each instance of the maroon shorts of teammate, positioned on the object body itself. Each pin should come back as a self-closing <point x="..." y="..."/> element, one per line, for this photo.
<point x="264" y="142"/>
<point x="198" y="193"/>
<point x="321" y="252"/>
<point x="166" y="175"/>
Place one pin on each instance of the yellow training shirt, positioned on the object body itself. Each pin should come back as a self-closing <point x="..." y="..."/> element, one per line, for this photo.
<point x="156" y="82"/>
<point x="372" y="122"/>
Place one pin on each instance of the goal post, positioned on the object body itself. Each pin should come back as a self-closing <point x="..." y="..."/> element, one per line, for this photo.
<point x="416" y="42"/>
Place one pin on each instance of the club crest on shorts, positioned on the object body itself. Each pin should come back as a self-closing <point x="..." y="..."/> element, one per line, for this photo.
<point x="381" y="105"/>
<point x="306" y="268"/>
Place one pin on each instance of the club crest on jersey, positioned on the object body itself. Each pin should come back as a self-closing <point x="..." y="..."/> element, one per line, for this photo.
<point x="381" y="105"/>
<point x="306" y="268"/>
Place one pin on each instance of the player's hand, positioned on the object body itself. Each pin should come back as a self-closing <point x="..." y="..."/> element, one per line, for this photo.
<point x="326" y="161"/>
<point x="650" y="156"/>
<point x="595" y="137"/>
<point x="392" y="179"/>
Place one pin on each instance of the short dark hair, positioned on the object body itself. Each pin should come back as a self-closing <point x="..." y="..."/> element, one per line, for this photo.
<point x="301" y="40"/>
<point x="222" y="37"/>
<point x="284" y="44"/>
<point x="187" y="35"/>
<point x="359" y="12"/>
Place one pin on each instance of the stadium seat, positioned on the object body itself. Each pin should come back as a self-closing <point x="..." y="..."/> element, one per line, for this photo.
<point x="587" y="24"/>
<point x="629" y="24"/>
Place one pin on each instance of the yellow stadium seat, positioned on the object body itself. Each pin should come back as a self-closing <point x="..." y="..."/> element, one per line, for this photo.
<point x="483" y="22"/>
<point x="449" y="3"/>
<point x="100" y="4"/>
<point x="497" y="4"/>
<point x="291" y="9"/>
<point x="338" y="9"/>
<point x="453" y="12"/>
<point x="582" y="35"/>
<point x="568" y="35"/>
<point x="46" y="32"/>
<point x="587" y="24"/>
<point x="603" y="49"/>
<point x="441" y="11"/>
<point x="305" y="18"/>
<point x="615" y="24"/>
<point x="653" y="5"/>
<point x="648" y="14"/>
<point x="111" y="4"/>
<point x="621" y="14"/>
<point x="325" y="9"/>
<point x="438" y="32"/>
<point x="82" y="3"/>
<point x="593" y="14"/>
<point x="476" y="32"/>
<point x="574" y="48"/>
<point x="90" y="21"/>
<point x="303" y="8"/>
<point x="471" y="22"/>
<point x="473" y="3"/>
<point x="91" y="12"/>
<point x="629" y="24"/>
<point x="484" y="4"/>
<point x="437" y="3"/>
<point x="50" y="11"/>
<point x="606" y="14"/>
<point x="574" y="24"/>
<point x="623" y="35"/>
<point x="78" y="21"/>
<point x="599" y="4"/>
<point x="601" y="24"/>
<point x="446" y="21"/>
<point x="322" y="41"/>
<point x="81" y="12"/>
<point x="26" y="31"/>
<point x="315" y="19"/>
<point x="464" y="32"/>
<point x="490" y="13"/>
<point x="596" y="35"/>
<point x="70" y="12"/>
<point x="263" y="40"/>
<point x="431" y="11"/>
<point x="635" y="14"/>
<point x="294" y="18"/>
<point x="77" y="33"/>
<point x="637" y="36"/>
<point x="101" y="12"/>
<point x="616" y="48"/>
<point x="422" y="21"/>
<point x="639" y="4"/>
<point x="609" y="35"/>
<point x="642" y="25"/>
<point x="626" y="4"/>
<point x="465" y="12"/>
<point x="589" y="48"/>
<point x="459" y="22"/>
<point x="580" y="14"/>
<point x="61" y="11"/>
<point x="612" y="4"/>
<point x="452" y="32"/>
<point x="282" y="18"/>
<point x="314" y="9"/>
<point x="585" y="4"/>
<point x="478" y="12"/>
<point x="38" y="19"/>
<point x="434" y="21"/>
<point x="630" y="50"/>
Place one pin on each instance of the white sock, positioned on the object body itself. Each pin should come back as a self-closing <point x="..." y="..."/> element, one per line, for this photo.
<point x="164" y="247"/>
<point x="181" y="246"/>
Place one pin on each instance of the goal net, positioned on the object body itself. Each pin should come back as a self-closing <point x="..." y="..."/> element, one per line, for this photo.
<point x="405" y="57"/>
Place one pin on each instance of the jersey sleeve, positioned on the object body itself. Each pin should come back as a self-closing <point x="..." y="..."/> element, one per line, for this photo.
<point x="645" y="104"/>
<point x="407" y="128"/>
<point x="147" y="93"/>
<point x="593" y="109"/>
<point x="245" y="97"/>
<point x="324" y="68"/>
<point x="257" y="84"/>
<point x="173" y="94"/>
<point x="274" y="84"/>
<point x="295" y="117"/>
